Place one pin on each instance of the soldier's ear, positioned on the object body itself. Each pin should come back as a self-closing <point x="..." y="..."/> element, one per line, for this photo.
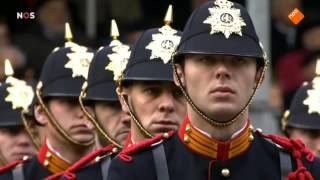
<point x="180" y="72"/>
<point x="40" y="115"/>
<point x="121" y="99"/>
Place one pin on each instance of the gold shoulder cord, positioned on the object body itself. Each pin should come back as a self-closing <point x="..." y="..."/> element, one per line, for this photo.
<point x="202" y="114"/>
<point x="35" y="140"/>
<point x="92" y="118"/>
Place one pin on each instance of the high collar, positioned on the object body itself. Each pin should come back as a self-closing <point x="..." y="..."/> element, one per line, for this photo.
<point x="51" y="159"/>
<point x="201" y="143"/>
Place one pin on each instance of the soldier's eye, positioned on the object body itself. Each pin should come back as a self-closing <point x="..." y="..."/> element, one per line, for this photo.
<point x="207" y="60"/>
<point x="239" y="61"/>
<point x="152" y="91"/>
<point x="242" y="60"/>
<point x="177" y="93"/>
<point x="313" y="134"/>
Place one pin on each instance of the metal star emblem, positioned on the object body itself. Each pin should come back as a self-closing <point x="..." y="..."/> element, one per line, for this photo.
<point x="164" y="44"/>
<point x="19" y="93"/>
<point x="224" y="18"/>
<point x="118" y="60"/>
<point x="313" y="99"/>
<point x="79" y="61"/>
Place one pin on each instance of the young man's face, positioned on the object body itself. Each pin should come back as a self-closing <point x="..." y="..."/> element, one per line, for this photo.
<point x="71" y="118"/>
<point x="113" y="119"/>
<point x="159" y="106"/>
<point x="311" y="138"/>
<point x="15" y="143"/>
<point x="219" y="85"/>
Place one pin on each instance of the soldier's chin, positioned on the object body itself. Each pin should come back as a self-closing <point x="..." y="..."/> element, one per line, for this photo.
<point x="222" y="116"/>
<point x="83" y="138"/>
<point x="121" y="138"/>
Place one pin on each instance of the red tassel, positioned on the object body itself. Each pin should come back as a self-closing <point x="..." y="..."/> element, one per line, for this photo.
<point x="83" y="161"/>
<point x="125" y="154"/>
<point x="69" y="175"/>
<point x="54" y="176"/>
<point x="11" y="165"/>
<point x="298" y="150"/>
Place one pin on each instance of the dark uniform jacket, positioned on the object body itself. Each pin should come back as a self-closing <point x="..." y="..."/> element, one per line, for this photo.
<point x="190" y="155"/>
<point x="39" y="167"/>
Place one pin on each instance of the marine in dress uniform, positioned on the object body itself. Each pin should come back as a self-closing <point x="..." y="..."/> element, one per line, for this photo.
<point x="219" y="45"/>
<point x="302" y="120"/>
<point x="15" y="99"/>
<point x="58" y="90"/>
<point x="148" y="62"/>
<point x="104" y="72"/>
<point x="147" y="90"/>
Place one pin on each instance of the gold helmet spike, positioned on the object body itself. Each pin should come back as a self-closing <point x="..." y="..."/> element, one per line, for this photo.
<point x="68" y="33"/>
<point x="318" y="67"/>
<point x="8" y="70"/>
<point x="168" y="18"/>
<point x="114" y="32"/>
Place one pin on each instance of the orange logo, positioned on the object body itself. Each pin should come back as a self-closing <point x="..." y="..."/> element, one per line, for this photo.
<point x="296" y="16"/>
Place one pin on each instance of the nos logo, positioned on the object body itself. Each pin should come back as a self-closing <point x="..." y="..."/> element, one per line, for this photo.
<point x="26" y="15"/>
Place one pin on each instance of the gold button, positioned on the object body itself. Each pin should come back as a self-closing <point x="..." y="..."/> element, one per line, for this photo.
<point x="188" y="129"/>
<point x="251" y="137"/>
<point x="165" y="135"/>
<point x="46" y="163"/>
<point x="48" y="155"/>
<point x="114" y="150"/>
<point x="97" y="159"/>
<point x="225" y="172"/>
<point x="186" y="139"/>
<point x="25" y="158"/>
<point x="251" y="128"/>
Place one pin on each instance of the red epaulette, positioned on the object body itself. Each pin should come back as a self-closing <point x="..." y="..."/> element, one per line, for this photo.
<point x="298" y="150"/>
<point x="13" y="164"/>
<point x="69" y="173"/>
<point x="125" y="153"/>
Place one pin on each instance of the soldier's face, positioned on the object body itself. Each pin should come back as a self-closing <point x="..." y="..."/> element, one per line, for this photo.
<point x="113" y="119"/>
<point x="159" y="106"/>
<point x="15" y="143"/>
<point x="219" y="85"/>
<point x="72" y="119"/>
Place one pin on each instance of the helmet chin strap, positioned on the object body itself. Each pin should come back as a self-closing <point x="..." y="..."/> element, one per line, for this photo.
<point x="34" y="139"/>
<point x="95" y="121"/>
<point x="211" y="121"/>
<point x="144" y="131"/>
<point x="55" y="123"/>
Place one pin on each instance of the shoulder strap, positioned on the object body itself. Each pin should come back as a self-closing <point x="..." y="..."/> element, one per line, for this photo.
<point x="160" y="163"/>
<point x="17" y="173"/>
<point x="105" y="165"/>
<point x="285" y="163"/>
